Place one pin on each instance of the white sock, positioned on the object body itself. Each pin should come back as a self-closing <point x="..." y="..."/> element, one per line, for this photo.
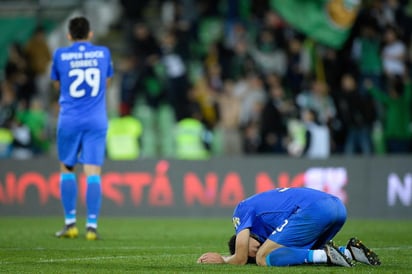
<point x="319" y="256"/>
<point x="348" y="254"/>
<point x="92" y="225"/>
<point x="69" y="221"/>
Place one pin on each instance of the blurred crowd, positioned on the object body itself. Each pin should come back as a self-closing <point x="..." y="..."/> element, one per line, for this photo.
<point x="27" y="121"/>
<point x="250" y="78"/>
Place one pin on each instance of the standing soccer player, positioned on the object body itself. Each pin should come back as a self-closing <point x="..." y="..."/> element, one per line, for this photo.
<point x="81" y="72"/>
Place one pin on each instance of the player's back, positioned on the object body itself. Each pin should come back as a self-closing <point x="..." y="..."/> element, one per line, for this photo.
<point x="285" y="199"/>
<point x="265" y="211"/>
<point x="82" y="70"/>
<point x="279" y="203"/>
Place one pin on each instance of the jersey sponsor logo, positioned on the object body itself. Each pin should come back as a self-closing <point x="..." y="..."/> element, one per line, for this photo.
<point x="236" y="222"/>
<point x="94" y="54"/>
<point x="68" y="56"/>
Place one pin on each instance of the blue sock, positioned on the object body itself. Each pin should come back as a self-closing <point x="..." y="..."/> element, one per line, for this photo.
<point x="93" y="200"/>
<point x="68" y="193"/>
<point x="285" y="256"/>
<point x="345" y="251"/>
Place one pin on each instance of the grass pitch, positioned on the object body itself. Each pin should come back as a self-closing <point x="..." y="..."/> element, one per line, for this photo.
<point x="170" y="245"/>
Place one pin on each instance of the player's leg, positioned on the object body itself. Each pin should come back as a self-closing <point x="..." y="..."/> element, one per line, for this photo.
<point x="68" y="143"/>
<point x="303" y="230"/>
<point x="93" y="199"/>
<point x="331" y="214"/>
<point x="273" y="254"/>
<point x="354" y="249"/>
<point x="92" y="157"/>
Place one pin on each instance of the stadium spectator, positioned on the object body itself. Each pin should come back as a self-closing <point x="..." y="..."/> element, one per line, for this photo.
<point x="317" y="137"/>
<point x="242" y="62"/>
<point x="332" y="67"/>
<point x="366" y="50"/>
<point x="268" y="58"/>
<point x="145" y="55"/>
<point x="123" y="138"/>
<point x="205" y="94"/>
<point x="132" y="11"/>
<point x="177" y="83"/>
<point x="82" y="73"/>
<point x="229" y="122"/>
<point x="36" y="119"/>
<point x="290" y="226"/>
<point x="393" y="54"/>
<point x="8" y="98"/>
<point x="128" y="84"/>
<point x="253" y="96"/>
<point x="39" y="57"/>
<point x="318" y="99"/>
<point x="275" y="113"/>
<point x="397" y="119"/>
<point x="193" y="140"/>
<point x="357" y="113"/>
<point x="19" y="75"/>
<point x="298" y="65"/>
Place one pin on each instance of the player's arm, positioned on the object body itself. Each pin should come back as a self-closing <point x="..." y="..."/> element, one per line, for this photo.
<point x="108" y="82"/>
<point x="56" y="85"/>
<point x="239" y="257"/>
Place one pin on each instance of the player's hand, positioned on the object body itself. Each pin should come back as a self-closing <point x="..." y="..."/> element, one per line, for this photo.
<point x="210" y="258"/>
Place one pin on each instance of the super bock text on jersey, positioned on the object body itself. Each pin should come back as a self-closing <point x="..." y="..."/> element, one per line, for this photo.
<point x="82" y="70"/>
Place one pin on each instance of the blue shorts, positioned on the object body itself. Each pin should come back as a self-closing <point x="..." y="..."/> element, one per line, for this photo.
<point x="311" y="227"/>
<point x="86" y="147"/>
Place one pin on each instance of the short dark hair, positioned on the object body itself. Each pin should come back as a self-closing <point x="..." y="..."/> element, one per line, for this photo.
<point x="232" y="247"/>
<point x="232" y="244"/>
<point x="79" y="28"/>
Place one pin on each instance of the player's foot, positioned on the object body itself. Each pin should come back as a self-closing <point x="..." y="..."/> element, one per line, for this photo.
<point x="361" y="253"/>
<point x="68" y="231"/>
<point x="335" y="257"/>
<point x="91" y="234"/>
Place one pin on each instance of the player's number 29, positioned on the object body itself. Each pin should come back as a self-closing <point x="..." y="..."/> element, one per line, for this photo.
<point x="92" y="78"/>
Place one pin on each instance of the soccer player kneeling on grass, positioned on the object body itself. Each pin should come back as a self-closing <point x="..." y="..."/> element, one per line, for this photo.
<point x="290" y="226"/>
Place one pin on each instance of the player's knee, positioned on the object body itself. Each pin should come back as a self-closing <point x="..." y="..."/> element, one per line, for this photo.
<point x="67" y="168"/>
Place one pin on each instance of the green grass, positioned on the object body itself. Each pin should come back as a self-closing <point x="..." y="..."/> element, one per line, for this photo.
<point x="169" y="245"/>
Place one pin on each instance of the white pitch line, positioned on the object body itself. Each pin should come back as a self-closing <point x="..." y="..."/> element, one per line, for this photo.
<point x="107" y="257"/>
<point x="101" y="248"/>
<point x="159" y="247"/>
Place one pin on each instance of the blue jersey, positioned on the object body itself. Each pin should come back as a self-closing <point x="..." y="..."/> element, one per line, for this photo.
<point x="262" y="213"/>
<point x="82" y="70"/>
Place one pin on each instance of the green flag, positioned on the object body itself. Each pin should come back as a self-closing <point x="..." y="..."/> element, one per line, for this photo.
<point x="326" y="21"/>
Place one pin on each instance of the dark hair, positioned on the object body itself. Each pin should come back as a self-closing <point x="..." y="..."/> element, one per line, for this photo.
<point x="79" y="28"/>
<point x="232" y="244"/>
<point x="232" y="247"/>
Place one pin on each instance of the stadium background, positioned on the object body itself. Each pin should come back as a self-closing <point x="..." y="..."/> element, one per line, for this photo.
<point x="375" y="183"/>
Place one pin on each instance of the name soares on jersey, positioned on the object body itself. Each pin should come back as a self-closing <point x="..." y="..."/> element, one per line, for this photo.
<point x="82" y="59"/>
